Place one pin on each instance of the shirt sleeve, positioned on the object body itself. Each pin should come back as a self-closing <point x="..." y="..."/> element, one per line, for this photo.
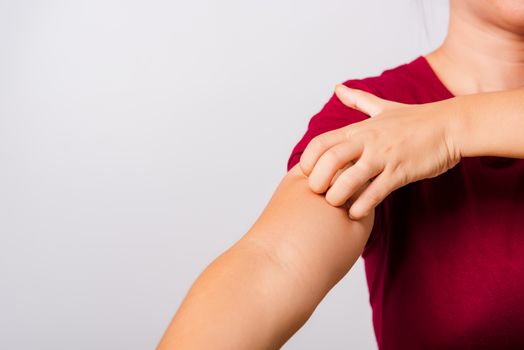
<point x="335" y="115"/>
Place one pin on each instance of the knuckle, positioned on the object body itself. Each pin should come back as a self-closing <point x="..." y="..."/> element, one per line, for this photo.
<point x="334" y="155"/>
<point x="401" y="175"/>
<point x="349" y="132"/>
<point x="346" y="181"/>
<point x="374" y="196"/>
<point x="375" y="133"/>
<point x="388" y="149"/>
<point x="365" y="166"/>
<point x="356" y="131"/>
<point x="318" y="141"/>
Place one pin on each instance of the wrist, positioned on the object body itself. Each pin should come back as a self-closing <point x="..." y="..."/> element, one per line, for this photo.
<point x="458" y="129"/>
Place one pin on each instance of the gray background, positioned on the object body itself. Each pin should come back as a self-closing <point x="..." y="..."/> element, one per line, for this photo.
<point x="140" y="139"/>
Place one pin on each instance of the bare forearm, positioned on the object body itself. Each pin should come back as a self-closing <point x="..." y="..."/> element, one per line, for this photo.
<point x="491" y="124"/>
<point x="243" y="300"/>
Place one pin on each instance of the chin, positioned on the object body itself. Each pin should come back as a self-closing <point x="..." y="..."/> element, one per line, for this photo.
<point x="506" y="14"/>
<point x="509" y="13"/>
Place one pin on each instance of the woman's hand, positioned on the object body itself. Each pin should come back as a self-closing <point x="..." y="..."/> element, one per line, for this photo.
<point x="399" y="144"/>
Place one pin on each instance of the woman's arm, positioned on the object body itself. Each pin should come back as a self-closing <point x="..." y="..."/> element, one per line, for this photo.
<point x="490" y="124"/>
<point x="261" y="290"/>
<point x="404" y="143"/>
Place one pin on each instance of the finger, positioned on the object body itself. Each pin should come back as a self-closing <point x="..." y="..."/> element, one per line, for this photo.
<point x="351" y="180"/>
<point x="379" y="188"/>
<point x="317" y="146"/>
<point x="340" y="171"/>
<point x="347" y="204"/>
<point x="330" y="162"/>
<point x="360" y="100"/>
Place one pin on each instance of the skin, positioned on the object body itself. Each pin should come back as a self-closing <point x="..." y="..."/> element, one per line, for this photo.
<point x="403" y="143"/>
<point x="261" y="290"/>
<point x="481" y="62"/>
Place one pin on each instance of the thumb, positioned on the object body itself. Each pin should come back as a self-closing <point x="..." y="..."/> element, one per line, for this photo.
<point x="361" y="100"/>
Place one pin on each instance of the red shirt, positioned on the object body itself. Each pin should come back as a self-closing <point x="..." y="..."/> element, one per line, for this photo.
<point x="445" y="259"/>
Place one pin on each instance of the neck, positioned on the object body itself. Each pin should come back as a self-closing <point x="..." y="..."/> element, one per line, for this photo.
<point x="478" y="57"/>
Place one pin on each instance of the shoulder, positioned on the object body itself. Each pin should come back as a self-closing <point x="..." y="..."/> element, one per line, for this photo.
<point x="396" y="84"/>
<point x="401" y="83"/>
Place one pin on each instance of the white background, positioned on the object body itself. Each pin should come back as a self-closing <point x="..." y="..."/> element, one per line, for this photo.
<point x="140" y="139"/>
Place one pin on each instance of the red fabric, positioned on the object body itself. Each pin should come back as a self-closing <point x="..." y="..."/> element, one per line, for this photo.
<point x="445" y="259"/>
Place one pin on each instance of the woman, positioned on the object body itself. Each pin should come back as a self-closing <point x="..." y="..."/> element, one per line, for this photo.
<point x="427" y="157"/>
